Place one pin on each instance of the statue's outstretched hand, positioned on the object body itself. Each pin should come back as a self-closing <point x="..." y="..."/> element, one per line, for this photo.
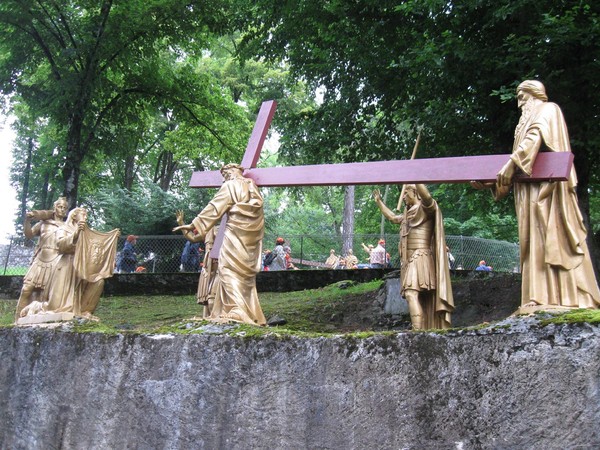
<point x="184" y="228"/>
<point x="376" y="195"/>
<point x="179" y="217"/>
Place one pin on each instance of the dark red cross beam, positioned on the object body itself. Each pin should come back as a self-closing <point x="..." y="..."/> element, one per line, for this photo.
<point x="250" y="159"/>
<point x="548" y="166"/>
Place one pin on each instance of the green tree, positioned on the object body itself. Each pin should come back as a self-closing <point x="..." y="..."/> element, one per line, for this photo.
<point x="82" y="65"/>
<point x="452" y="67"/>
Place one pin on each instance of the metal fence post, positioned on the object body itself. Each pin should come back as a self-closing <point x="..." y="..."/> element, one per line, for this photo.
<point x="8" y="255"/>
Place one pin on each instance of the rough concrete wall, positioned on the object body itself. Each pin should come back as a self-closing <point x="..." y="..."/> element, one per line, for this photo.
<point x="515" y="388"/>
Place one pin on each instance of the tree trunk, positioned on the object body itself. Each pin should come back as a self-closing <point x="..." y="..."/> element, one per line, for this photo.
<point x="71" y="173"/>
<point x="129" y="172"/>
<point x="164" y="171"/>
<point x="46" y="195"/>
<point x="348" y="220"/>
<point x="25" y="192"/>
<point x="383" y="219"/>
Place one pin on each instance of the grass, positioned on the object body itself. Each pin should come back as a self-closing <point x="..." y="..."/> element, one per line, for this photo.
<point x="15" y="270"/>
<point x="317" y="311"/>
<point x="576" y="316"/>
<point x="326" y="311"/>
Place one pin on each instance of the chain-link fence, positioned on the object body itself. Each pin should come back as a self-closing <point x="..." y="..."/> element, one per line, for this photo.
<point x="467" y="251"/>
<point x="163" y="254"/>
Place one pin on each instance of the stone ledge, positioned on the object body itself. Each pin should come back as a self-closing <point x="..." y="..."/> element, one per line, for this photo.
<point x="522" y="386"/>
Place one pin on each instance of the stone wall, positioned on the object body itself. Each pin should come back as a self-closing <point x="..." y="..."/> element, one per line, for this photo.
<point x="512" y="386"/>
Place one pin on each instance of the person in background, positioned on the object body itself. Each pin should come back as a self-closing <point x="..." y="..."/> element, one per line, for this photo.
<point x="483" y="267"/>
<point x="190" y="257"/>
<point x="128" y="261"/>
<point x="451" y="259"/>
<point x="367" y="248"/>
<point x="279" y="262"/>
<point x="377" y="257"/>
<point x="288" y="258"/>
<point x="267" y="259"/>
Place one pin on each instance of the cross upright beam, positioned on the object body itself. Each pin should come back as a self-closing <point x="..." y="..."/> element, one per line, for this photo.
<point x="250" y="159"/>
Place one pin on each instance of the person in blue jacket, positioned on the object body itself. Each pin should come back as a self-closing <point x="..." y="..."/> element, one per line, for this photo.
<point x="128" y="260"/>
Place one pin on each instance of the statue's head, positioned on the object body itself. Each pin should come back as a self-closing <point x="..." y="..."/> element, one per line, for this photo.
<point x="77" y="215"/>
<point x="534" y="88"/>
<point x="231" y="170"/>
<point x="410" y="195"/>
<point x="61" y="207"/>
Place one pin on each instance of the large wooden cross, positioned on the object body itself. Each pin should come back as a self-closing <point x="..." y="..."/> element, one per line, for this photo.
<point x="548" y="166"/>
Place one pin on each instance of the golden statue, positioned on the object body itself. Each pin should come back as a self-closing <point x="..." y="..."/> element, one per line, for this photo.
<point x="85" y="258"/>
<point x="209" y="279"/>
<point x="425" y="275"/>
<point x="240" y="254"/>
<point x="555" y="261"/>
<point x="46" y="253"/>
<point x="333" y="260"/>
<point x="350" y="260"/>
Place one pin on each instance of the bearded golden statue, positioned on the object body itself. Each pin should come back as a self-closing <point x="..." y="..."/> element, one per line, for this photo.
<point x="555" y="261"/>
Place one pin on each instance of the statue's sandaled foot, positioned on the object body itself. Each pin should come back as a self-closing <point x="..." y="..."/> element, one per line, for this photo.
<point x="529" y="305"/>
<point x="232" y="316"/>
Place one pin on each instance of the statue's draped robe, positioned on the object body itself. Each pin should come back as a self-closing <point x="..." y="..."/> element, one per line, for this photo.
<point x="209" y="280"/>
<point x="555" y="261"/>
<point x="241" y="251"/>
<point x="425" y="263"/>
<point x="80" y="272"/>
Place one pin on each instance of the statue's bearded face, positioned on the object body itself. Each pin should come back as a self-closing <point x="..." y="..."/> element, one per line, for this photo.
<point x="524" y="99"/>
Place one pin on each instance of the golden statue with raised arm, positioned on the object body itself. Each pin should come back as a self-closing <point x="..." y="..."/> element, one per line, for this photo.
<point x="240" y="254"/>
<point x="38" y="277"/>
<point x="555" y="261"/>
<point x="425" y="275"/>
<point x="85" y="257"/>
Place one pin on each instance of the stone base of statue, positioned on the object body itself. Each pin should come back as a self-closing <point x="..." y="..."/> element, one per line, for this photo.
<point x="45" y="318"/>
<point x="526" y="310"/>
